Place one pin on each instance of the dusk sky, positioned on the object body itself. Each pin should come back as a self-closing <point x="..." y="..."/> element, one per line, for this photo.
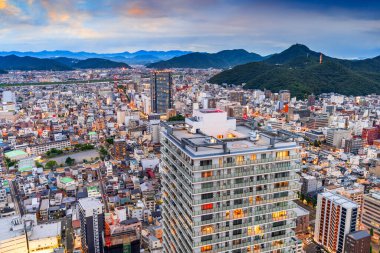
<point x="346" y="29"/>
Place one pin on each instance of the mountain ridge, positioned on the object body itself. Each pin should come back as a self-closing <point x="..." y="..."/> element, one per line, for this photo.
<point x="299" y="70"/>
<point x="222" y="59"/>
<point x="27" y="63"/>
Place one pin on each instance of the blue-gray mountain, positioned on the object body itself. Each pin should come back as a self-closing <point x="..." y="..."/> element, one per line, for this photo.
<point x="222" y="59"/>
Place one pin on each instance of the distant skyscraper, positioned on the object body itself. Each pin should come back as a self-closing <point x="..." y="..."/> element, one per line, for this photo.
<point x="92" y="225"/>
<point x="336" y="217"/>
<point x="161" y="92"/>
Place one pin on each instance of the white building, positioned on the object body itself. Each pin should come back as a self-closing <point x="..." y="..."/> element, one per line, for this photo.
<point x="336" y="217"/>
<point x="226" y="187"/>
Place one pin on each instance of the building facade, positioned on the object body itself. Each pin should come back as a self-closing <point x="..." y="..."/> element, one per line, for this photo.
<point x="226" y="188"/>
<point x="357" y="242"/>
<point x="371" y="213"/>
<point x="91" y="216"/>
<point x="336" y="217"/>
<point x="161" y="92"/>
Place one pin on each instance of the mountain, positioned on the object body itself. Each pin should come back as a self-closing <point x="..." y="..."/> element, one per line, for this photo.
<point x="298" y="69"/>
<point x="3" y="72"/>
<point x="127" y="57"/>
<point x="222" y="59"/>
<point x="13" y="62"/>
<point x="70" y="62"/>
<point x="98" y="63"/>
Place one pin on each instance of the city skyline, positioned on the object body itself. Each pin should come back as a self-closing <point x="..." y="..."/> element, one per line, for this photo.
<point x="344" y="29"/>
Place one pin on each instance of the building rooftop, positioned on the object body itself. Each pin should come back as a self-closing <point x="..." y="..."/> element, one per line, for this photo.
<point x="15" y="153"/>
<point x="216" y="134"/>
<point x="340" y="200"/>
<point x="301" y="211"/>
<point x="66" y="180"/>
<point x="45" y="231"/>
<point x="357" y="235"/>
<point x="11" y="227"/>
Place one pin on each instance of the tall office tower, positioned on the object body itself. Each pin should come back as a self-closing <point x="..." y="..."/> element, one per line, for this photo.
<point x="371" y="213"/>
<point x="91" y="216"/>
<point x="161" y="92"/>
<point x="226" y="187"/>
<point x="336" y="217"/>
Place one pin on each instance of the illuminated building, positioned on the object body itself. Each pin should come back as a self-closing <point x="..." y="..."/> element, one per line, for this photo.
<point x="370" y="134"/>
<point x="226" y="187"/>
<point x="161" y="92"/>
<point x="336" y="217"/>
<point x="371" y="214"/>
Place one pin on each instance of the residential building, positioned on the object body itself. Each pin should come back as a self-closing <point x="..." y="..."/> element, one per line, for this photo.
<point x="91" y="216"/>
<point x="226" y="188"/>
<point x="358" y="242"/>
<point x="336" y="135"/>
<point x="371" y="213"/>
<point x="336" y="217"/>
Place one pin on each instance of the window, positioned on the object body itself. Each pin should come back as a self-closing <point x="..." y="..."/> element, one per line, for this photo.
<point x="253" y="157"/>
<point x="207" y="230"/>
<point x="238" y="201"/>
<point x="206" y="248"/>
<point x="206" y="238"/>
<point x="239" y="159"/>
<point x="238" y="213"/>
<point x="237" y="222"/>
<point x="282" y="154"/>
<point x="236" y="232"/>
<point x="219" y="136"/>
<point x="239" y="180"/>
<point x="206" y="217"/>
<point x="207" y="185"/>
<point x="207" y="206"/>
<point x="206" y="162"/>
<point x="207" y="174"/>
<point x="238" y="191"/>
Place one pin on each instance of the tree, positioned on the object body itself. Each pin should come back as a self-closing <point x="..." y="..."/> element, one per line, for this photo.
<point x="103" y="153"/>
<point x="38" y="164"/>
<point x="316" y="144"/>
<point x="69" y="161"/>
<point x="109" y="141"/>
<point x="51" y="164"/>
<point x="371" y="232"/>
<point x="178" y="117"/>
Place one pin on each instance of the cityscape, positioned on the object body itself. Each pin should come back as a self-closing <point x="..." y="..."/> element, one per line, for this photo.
<point x="188" y="146"/>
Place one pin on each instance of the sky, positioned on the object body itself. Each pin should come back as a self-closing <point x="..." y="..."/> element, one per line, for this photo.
<point x="346" y="29"/>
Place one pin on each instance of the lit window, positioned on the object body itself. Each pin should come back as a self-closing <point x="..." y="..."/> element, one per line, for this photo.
<point x="219" y="136"/>
<point x="207" y="174"/>
<point x="282" y="154"/>
<point x="240" y="159"/>
<point x="207" y="230"/>
<point x="207" y="206"/>
<point x="253" y="157"/>
<point x="238" y="213"/>
<point x="206" y="248"/>
<point x="279" y="215"/>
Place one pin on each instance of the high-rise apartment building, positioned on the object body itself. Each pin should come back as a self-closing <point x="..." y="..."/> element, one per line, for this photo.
<point x="371" y="213"/>
<point x="91" y="217"/>
<point x="336" y="217"/>
<point x="226" y="187"/>
<point x="161" y="92"/>
<point x="120" y="149"/>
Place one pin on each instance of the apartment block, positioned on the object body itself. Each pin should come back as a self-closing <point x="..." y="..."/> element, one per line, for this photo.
<point x="227" y="188"/>
<point x="336" y="217"/>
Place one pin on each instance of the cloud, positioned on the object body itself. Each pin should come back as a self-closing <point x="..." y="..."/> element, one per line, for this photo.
<point x="339" y="28"/>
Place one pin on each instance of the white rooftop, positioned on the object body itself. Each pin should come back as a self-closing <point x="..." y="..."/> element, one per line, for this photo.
<point x="45" y="231"/>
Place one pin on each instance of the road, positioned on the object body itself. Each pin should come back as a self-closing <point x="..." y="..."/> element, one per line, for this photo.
<point x="16" y="198"/>
<point x="102" y="191"/>
<point x="69" y="234"/>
